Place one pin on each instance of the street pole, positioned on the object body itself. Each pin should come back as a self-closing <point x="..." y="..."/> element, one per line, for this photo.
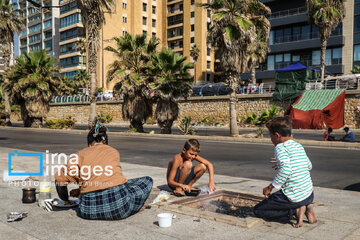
<point x="102" y="57"/>
<point x="41" y="25"/>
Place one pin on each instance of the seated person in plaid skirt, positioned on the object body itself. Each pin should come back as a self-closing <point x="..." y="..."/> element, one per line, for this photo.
<point x="104" y="192"/>
<point x="181" y="174"/>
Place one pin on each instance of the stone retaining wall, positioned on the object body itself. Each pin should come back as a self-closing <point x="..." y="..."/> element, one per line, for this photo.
<point x="204" y="107"/>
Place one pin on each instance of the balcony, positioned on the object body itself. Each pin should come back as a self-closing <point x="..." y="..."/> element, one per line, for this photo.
<point x="333" y="41"/>
<point x="288" y="12"/>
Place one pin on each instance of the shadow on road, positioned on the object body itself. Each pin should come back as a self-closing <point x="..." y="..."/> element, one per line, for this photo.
<point x="353" y="187"/>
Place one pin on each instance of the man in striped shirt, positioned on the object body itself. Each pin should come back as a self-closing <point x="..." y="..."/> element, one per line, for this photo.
<point x="293" y="178"/>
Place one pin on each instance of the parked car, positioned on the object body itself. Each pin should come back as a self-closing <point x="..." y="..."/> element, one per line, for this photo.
<point x="210" y="89"/>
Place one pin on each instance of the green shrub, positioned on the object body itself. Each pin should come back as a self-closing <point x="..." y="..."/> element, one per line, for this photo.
<point x="104" y="119"/>
<point x="60" y="123"/>
<point x="208" y="121"/>
<point x="185" y="126"/>
<point x="2" y="122"/>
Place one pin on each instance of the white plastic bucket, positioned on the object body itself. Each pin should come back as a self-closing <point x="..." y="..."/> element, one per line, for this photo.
<point x="165" y="219"/>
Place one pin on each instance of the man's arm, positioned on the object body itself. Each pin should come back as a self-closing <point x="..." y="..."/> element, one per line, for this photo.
<point x="210" y="167"/>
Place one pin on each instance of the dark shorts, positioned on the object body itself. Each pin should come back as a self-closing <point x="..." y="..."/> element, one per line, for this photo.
<point x="188" y="179"/>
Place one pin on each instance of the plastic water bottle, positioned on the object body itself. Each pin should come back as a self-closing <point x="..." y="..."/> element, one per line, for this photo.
<point x="45" y="188"/>
<point x="204" y="189"/>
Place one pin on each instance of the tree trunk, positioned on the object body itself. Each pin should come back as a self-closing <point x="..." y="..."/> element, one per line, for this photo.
<point x="93" y="46"/>
<point x="323" y="52"/>
<point x="134" y="124"/>
<point x="7" y="55"/>
<point x="36" y="122"/>
<point x="234" y="132"/>
<point x="194" y="72"/>
<point x="165" y="127"/>
<point x="253" y="75"/>
<point x="93" y="99"/>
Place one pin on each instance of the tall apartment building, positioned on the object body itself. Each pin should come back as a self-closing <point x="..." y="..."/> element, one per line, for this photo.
<point x="292" y="39"/>
<point x="71" y="31"/>
<point x="187" y="24"/>
<point x="40" y="34"/>
<point x="179" y="24"/>
<point x="129" y="16"/>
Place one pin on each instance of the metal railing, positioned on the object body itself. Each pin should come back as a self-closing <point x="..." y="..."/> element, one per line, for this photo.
<point x="288" y="12"/>
<point x="342" y="82"/>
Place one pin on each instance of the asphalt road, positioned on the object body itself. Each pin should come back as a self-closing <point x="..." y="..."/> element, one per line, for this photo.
<point x="332" y="167"/>
<point x="215" y="131"/>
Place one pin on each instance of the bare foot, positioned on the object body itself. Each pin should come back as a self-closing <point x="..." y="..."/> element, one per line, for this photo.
<point x="300" y="216"/>
<point x="310" y="214"/>
<point x="179" y="192"/>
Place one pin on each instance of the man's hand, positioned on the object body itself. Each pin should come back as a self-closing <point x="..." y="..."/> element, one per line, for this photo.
<point x="75" y="192"/>
<point x="212" y="187"/>
<point x="267" y="190"/>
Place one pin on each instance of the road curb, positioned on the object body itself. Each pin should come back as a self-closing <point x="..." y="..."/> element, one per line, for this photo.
<point x="239" y="139"/>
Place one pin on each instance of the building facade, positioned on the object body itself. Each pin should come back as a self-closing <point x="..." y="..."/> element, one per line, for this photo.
<point x="179" y="24"/>
<point x="292" y="39"/>
<point x="71" y="57"/>
<point x="41" y="27"/>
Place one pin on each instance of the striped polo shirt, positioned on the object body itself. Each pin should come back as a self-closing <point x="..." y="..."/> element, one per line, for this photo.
<point x="293" y="171"/>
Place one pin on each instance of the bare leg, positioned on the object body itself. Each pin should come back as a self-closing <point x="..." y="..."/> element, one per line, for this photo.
<point x="310" y="214"/>
<point x="184" y="173"/>
<point x="199" y="170"/>
<point x="300" y="216"/>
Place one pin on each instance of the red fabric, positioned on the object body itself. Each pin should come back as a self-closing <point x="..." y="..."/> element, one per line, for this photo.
<point x="332" y="116"/>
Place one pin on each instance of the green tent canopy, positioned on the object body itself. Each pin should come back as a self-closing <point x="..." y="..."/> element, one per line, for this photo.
<point x="291" y="81"/>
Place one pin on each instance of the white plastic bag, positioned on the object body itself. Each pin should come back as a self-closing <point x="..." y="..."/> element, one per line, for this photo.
<point x="161" y="197"/>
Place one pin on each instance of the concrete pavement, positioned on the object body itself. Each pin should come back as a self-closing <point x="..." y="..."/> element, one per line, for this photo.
<point x="337" y="210"/>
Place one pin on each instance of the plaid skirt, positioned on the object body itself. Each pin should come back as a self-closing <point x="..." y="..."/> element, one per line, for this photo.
<point x="117" y="202"/>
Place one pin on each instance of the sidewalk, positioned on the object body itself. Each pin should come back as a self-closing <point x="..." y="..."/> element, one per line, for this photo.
<point x="338" y="214"/>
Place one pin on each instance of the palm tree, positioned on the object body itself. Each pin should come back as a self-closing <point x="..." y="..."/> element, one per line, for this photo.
<point x="194" y="53"/>
<point x="131" y="70"/>
<point x="92" y="12"/>
<point x="10" y="21"/>
<point x="81" y="80"/>
<point x="232" y="30"/>
<point x="32" y="83"/>
<point x="171" y="80"/>
<point x="259" y="49"/>
<point x="326" y="15"/>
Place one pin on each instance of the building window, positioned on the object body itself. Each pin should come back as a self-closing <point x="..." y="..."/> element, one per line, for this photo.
<point x="270" y="62"/>
<point x="208" y="64"/>
<point x="144" y="20"/>
<point x="124" y="19"/>
<point x="174" y="32"/>
<point x="153" y="23"/>
<point x="124" y="5"/>
<point x="144" y="32"/>
<point x="192" y="14"/>
<point x="70" y="20"/>
<point x="124" y="32"/>
<point x="208" y="51"/>
<point x="357" y="23"/>
<point x="192" y="2"/>
<point x="153" y="9"/>
<point x="153" y="35"/>
<point x="332" y="57"/>
<point x="192" y="27"/>
<point x="173" y="20"/>
<point x="144" y="7"/>
<point x="192" y="40"/>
